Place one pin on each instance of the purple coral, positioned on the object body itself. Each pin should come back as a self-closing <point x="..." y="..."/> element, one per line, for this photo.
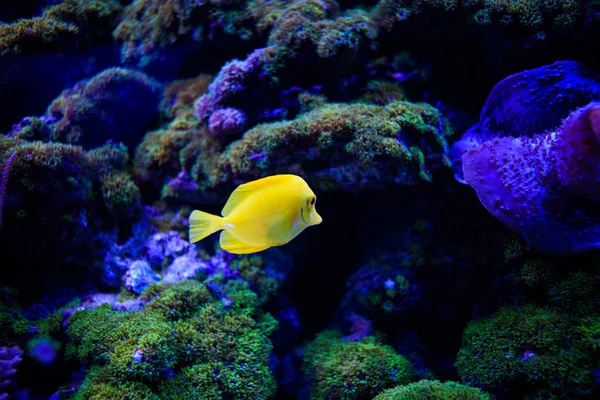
<point x="528" y="103"/>
<point x="10" y="357"/>
<point x="230" y="80"/>
<point x="545" y="187"/>
<point x="226" y="122"/>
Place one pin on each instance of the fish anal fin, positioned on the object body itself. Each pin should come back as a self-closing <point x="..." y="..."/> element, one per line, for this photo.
<point x="233" y="245"/>
<point x="245" y="190"/>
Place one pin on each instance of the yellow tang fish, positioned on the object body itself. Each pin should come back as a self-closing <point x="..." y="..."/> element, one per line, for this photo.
<point x="260" y="214"/>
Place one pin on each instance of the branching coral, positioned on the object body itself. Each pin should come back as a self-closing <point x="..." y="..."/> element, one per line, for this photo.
<point x="345" y="369"/>
<point x="70" y="24"/>
<point x="202" y="344"/>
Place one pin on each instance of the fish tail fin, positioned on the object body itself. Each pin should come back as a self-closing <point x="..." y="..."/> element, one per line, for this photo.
<point x="203" y="224"/>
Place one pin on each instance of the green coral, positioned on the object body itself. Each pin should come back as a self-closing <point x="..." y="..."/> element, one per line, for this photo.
<point x="70" y="22"/>
<point x="433" y="390"/>
<point x="346" y="369"/>
<point x="101" y="385"/>
<point x="530" y="351"/>
<point x="356" y="139"/>
<point x="184" y="344"/>
<point x="334" y="146"/>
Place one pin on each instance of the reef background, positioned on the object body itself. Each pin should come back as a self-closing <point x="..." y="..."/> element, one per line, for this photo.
<point x="120" y="117"/>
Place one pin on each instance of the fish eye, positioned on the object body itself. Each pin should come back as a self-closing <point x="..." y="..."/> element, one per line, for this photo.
<point x="312" y="200"/>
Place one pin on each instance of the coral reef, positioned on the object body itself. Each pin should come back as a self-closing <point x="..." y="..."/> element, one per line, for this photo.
<point x="151" y="27"/>
<point x="545" y="187"/>
<point x="433" y="390"/>
<point x="141" y="111"/>
<point x="347" y="369"/>
<point x="4" y="180"/>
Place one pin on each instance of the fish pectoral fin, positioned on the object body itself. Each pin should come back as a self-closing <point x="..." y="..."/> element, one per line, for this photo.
<point x="233" y="245"/>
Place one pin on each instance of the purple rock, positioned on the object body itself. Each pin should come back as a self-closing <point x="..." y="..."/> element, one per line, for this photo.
<point x="184" y="267"/>
<point x="139" y="276"/>
<point x="161" y="246"/>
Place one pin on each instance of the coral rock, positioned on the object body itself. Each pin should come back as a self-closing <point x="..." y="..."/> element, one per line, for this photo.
<point x="528" y="103"/>
<point x="546" y="187"/>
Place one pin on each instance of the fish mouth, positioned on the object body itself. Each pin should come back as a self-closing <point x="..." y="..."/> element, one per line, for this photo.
<point x="302" y="215"/>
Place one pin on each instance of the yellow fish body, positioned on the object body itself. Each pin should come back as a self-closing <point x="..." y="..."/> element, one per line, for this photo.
<point x="260" y="214"/>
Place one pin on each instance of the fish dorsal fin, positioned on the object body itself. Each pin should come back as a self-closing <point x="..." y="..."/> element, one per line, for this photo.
<point x="245" y="190"/>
